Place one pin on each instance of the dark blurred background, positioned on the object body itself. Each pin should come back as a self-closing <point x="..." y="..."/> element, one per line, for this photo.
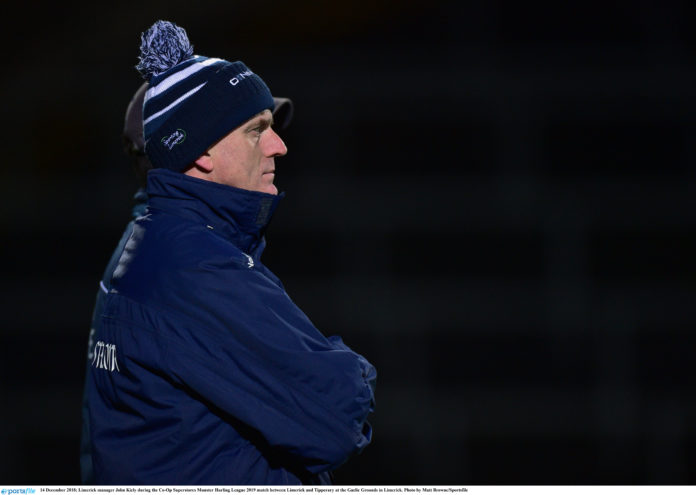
<point x="493" y="201"/>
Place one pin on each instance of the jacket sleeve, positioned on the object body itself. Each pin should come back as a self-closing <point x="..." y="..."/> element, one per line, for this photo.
<point x="247" y="348"/>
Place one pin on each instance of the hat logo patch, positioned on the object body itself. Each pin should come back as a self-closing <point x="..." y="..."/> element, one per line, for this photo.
<point x="176" y="137"/>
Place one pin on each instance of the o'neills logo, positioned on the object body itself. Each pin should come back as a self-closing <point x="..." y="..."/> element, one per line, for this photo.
<point x="174" y="138"/>
<point x="240" y="77"/>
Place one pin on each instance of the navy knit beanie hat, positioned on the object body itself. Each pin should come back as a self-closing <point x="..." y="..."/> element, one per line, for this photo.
<point x="192" y="101"/>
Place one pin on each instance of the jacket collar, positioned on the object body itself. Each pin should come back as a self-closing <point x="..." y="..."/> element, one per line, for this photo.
<point x="239" y="215"/>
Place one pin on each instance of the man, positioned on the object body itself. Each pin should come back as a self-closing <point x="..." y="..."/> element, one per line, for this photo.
<point x="203" y="370"/>
<point x="134" y="147"/>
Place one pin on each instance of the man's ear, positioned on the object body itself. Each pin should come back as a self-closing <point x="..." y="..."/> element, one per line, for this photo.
<point x="204" y="163"/>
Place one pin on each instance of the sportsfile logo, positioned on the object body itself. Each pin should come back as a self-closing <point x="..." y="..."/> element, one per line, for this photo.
<point x="176" y="137"/>
<point x="12" y="491"/>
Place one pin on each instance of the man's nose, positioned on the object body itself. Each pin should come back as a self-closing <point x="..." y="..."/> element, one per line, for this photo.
<point x="274" y="144"/>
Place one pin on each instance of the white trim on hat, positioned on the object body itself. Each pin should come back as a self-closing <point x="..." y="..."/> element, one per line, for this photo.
<point x="179" y="76"/>
<point x="174" y="103"/>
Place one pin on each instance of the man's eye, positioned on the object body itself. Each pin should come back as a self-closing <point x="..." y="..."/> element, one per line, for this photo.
<point x="258" y="130"/>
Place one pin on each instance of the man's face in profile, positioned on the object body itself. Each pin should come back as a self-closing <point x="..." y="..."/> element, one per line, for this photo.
<point x="245" y="158"/>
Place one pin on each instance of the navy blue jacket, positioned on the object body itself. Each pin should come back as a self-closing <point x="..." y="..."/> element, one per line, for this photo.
<point x="203" y="370"/>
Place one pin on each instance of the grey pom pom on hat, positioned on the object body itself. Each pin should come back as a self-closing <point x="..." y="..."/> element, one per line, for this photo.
<point x="162" y="47"/>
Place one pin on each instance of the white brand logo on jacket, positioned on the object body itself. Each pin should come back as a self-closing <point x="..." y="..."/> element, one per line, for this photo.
<point x="250" y="260"/>
<point x="105" y="357"/>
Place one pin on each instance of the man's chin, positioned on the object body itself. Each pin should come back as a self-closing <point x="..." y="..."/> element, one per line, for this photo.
<point x="270" y="189"/>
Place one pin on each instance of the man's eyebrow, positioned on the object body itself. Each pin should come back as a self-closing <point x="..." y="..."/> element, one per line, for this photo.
<point x="262" y="120"/>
